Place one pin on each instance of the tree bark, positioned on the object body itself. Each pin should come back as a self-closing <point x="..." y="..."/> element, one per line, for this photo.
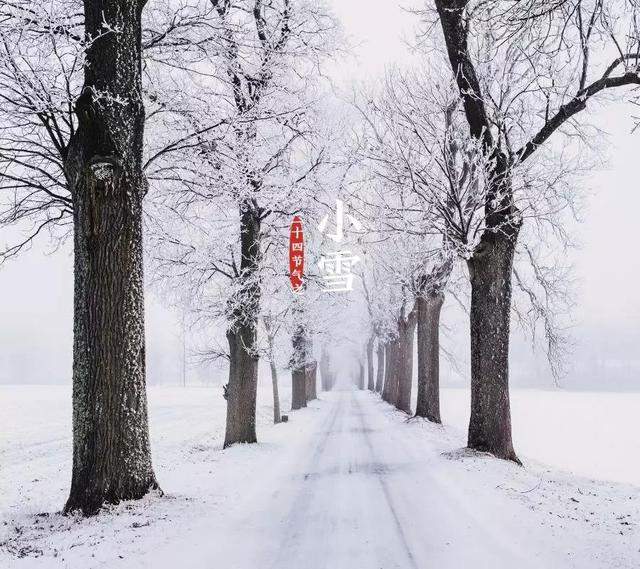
<point x="111" y="454"/>
<point x="389" y="392"/>
<point x="298" y="388"/>
<point x="491" y="266"/>
<point x="388" y="348"/>
<point x="242" y="335"/>
<point x="395" y="369"/>
<point x="360" y="375"/>
<point x="311" y="377"/>
<point x="277" y="417"/>
<point x="428" y="403"/>
<point x="406" y="331"/>
<point x="242" y="387"/>
<point x="311" y="368"/>
<point x="326" y="375"/>
<point x="490" y="272"/>
<point x="370" y="374"/>
<point x="380" y="370"/>
<point x="299" y="366"/>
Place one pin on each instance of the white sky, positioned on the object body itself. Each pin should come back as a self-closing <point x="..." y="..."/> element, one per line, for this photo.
<point x="36" y="290"/>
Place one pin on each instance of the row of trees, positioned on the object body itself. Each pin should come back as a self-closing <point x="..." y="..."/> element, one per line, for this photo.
<point x="197" y="122"/>
<point x="204" y="125"/>
<point x="462" y="163"/>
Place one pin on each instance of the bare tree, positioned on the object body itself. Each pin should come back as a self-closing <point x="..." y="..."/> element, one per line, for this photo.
<point x="300" y="359"/>
<point x="415" y="142"/>
<point x="429" y="303"/>
<point x="103" y="166"/>
<point x="42" y="57"/>
<point x="416" y="218"/>
<point x="41" y="61"/>
<point x="510" y="63"/>
<point x="72" y="154"/>
<point x="271" y="333"/>
<point x="404" y="373"/>
<point x="225" y="202"/>
<point x="388" y="279"/>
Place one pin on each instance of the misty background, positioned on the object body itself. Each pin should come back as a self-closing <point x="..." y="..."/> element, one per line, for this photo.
<point x="36" y="289"/>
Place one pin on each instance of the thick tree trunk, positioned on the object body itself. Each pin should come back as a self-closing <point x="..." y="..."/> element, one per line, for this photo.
<point x="370" y="374"/>
<point x="380" y="370"/>
<point x="360" y="375"/>
<point x="303" y="366"/>
<point x="491" y="265"/>
<point x="490" y="272"/>
<point x="299" y="366"/>
<point x="406" y="330"/>
<point x="298" y="388"/>
<point x="111" y="454"/>
<point x="242" y="335"/>
<point x="242" y="387"/>
<point x="428" y="403"/>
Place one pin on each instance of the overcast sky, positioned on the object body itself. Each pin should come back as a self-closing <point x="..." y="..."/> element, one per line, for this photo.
<point x="36" y="289"/>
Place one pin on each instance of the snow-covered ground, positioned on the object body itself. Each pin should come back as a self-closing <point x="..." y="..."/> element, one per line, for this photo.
<point x="592" y="434"/>
<point x="347" y="483"/>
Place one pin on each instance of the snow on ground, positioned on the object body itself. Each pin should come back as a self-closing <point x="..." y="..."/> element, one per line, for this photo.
<point x="349" y="482"/>
<point x="592" y="434"/>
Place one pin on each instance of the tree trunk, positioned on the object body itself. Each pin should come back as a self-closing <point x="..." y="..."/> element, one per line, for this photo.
<point x="380" y="370"/>
<point x="242" y="387"/>
<point x="299" y="366"/>
<point x="370" y="375"/>
<point x="311" y="375"/>
<point x="428" y="403"/>
<point x="491" y="266"/>
<point x="242" y="335"/>
<point x="111" y="454"/>
<point x="311" y="368"/>
<point x="360" y="375"/>
<point x="389" y="393"/>
<point x="277" y="418"/>
<point x="490" y="272"/>
<point x="298" y="388"/>
<point x="395" y="369"/>
<point x="388" y="348"/>
<point x="326" y="375"/>
<point x="406" y="330"/>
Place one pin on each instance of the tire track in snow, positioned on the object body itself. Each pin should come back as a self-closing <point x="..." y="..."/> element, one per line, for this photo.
<point x="296" y="516"/>
<point x="383" y="484"/>
<point x="343" y="492"/>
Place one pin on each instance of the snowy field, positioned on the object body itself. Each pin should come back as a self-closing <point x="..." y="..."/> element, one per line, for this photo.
<point x="592" y="434"/>
<point x="348" y="477"/>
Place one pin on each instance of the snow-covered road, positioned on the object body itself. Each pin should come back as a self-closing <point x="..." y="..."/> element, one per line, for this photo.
<point x="357" y="487"/>
<point x="363" y="497"/>
<point x="348" y="483"/>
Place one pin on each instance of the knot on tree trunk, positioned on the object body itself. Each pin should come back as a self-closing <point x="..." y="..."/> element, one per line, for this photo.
<point x="104" y="169"/>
